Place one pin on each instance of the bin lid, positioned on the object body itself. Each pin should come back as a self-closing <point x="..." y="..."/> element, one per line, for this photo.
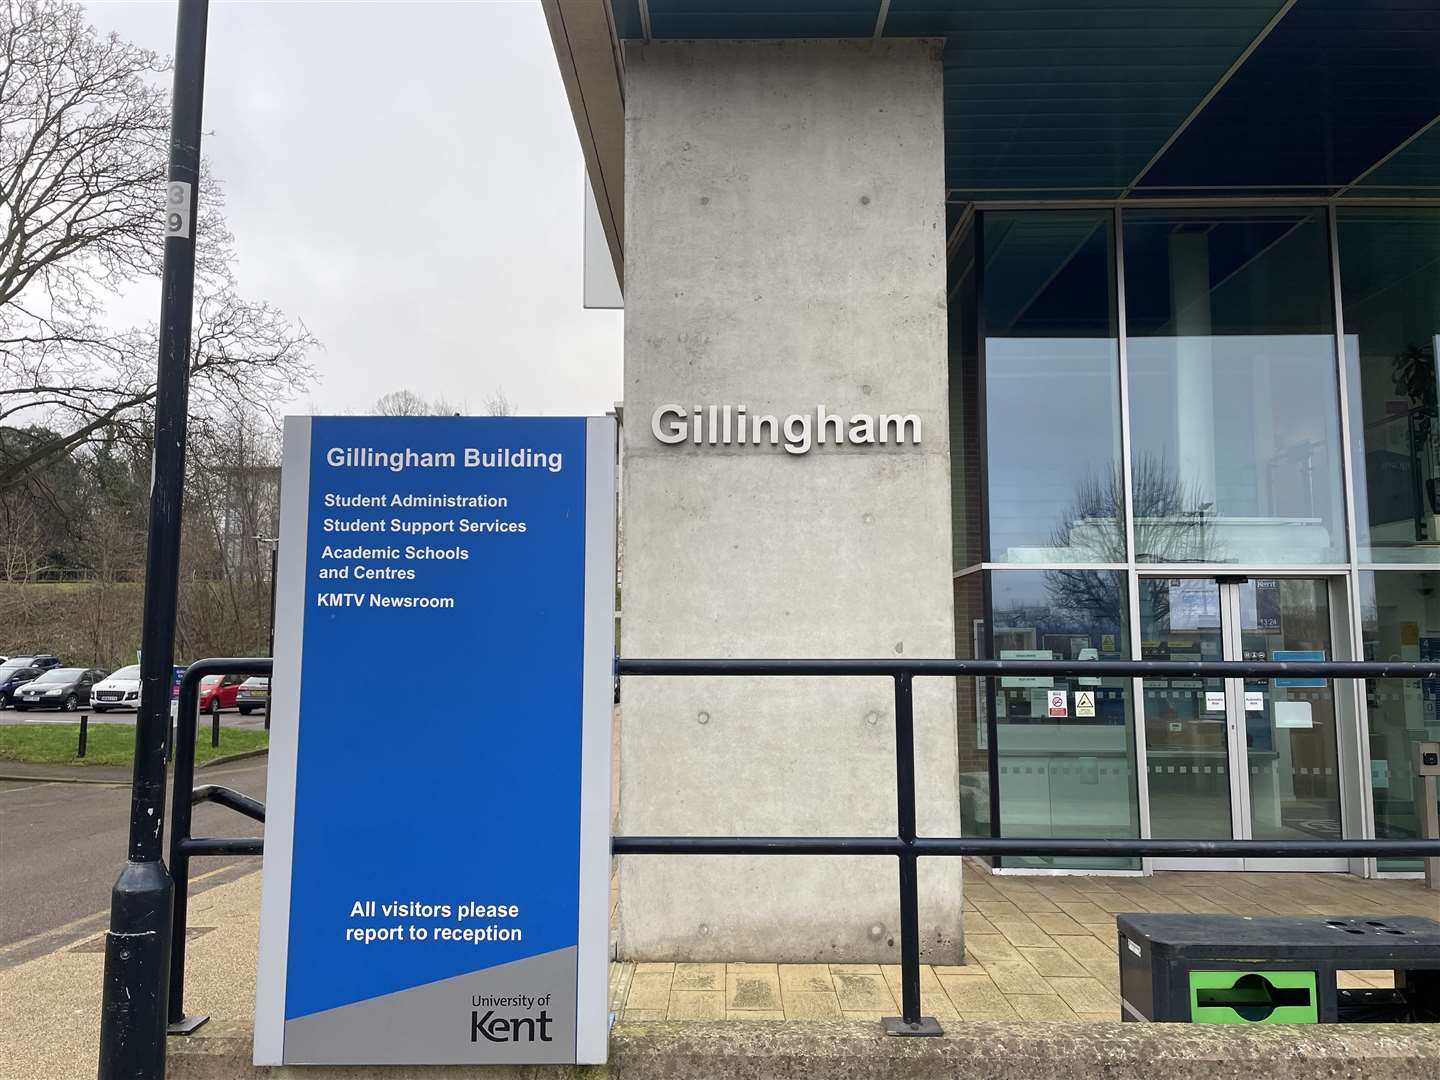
<point x="1408" y="938"/>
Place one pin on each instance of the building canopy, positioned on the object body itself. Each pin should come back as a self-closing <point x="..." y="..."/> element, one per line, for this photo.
<point x="1094" y="99"/>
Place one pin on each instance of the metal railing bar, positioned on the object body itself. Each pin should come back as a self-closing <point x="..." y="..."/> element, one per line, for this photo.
<point x="229" y="798"/>
<point x="949" y="846"/>
<point x="1219" y="669"/>
<point x="223" y="845"/>
<point x="756" y="845"/>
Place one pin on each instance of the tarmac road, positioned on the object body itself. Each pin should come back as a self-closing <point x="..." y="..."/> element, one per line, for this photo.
<point x="228" y="718"/>
<point x="62" y="845"/>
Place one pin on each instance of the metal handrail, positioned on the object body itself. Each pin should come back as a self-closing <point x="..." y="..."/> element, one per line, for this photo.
<point x="907" y="846"/>
<point x="184" y="796"/>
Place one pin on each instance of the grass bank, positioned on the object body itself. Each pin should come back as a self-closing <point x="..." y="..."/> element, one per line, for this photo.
<point x="97" y="624"/>
<point x="109" y="744"/>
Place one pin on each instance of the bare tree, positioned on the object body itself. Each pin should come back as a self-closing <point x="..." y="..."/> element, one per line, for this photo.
<point x="82" y="157"/>
<point x="234" y="481"/>
<point x="402" y="403"/>
<point x="409" y="403"/>
<point x="22" y="539"/>
<point x="84" y="127"/>
<point x="497" y="404"/>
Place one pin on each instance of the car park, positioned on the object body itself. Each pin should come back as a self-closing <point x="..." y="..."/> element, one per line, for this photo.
<point x="254" y="693"/>
<point x="218" y="692"/>
<point x="119" y="690"/>
<point x="12" y="678"/>
<point x="58" y="688"/>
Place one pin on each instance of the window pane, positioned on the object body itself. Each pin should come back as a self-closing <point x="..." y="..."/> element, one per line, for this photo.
<point x="972" y="716"/>
<point x="1052" y="394"/>
<point x="1070" y="775"/>
<point x="1291" y="735"/>
<point x="966" y="512"/>
<point x="1390" y="285"/>
<point x="1234" y="411"/>
<point x="1186" y="741"/>
<point x="1401" y="621"/>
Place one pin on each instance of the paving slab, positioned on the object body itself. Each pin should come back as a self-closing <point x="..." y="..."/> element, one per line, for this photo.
<point x="1048" y="996"/>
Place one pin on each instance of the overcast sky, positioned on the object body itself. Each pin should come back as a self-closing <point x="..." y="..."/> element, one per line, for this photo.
<point x="406" y="178"/>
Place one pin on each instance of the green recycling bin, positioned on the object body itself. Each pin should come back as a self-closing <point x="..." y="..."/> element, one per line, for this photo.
<point x="1253" y="997"/>
<point x="1235" y="969"/>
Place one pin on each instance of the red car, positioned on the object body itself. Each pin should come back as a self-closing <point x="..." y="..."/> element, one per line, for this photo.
<point x="219" y="689"/>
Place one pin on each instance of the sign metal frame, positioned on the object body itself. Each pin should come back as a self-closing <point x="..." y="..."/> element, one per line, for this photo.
<point x="591" y="1019"/>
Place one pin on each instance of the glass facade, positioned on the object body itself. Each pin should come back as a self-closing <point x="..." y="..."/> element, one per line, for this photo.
<point x="1390" y="282"/>
<point x="1400" y="621"/>
<point x="1051" y="376"/>
<point x="1235" y="418"/>
<point x="1147" y="421"/>
<point x="1070" y="774"/>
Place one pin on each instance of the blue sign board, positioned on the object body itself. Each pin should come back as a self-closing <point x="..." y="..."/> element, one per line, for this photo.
<point x="437" y="845"/>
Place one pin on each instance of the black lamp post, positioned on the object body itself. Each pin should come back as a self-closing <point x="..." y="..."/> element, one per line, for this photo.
<point x="137" y="947"/>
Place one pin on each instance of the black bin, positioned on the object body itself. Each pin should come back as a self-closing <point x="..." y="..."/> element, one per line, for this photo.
<point x="1232" y="969"/>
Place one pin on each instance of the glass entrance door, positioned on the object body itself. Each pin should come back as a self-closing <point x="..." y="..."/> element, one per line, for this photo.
<point x="1239" y="758"/>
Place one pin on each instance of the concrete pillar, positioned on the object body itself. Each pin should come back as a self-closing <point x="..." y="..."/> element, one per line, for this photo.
<point x="785" y="248"/>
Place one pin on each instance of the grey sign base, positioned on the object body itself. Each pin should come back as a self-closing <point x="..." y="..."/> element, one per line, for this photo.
<point x="440" y="1023"/>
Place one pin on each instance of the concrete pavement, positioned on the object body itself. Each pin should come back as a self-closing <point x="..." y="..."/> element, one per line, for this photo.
<point x="1036" y="948"/>
<point x="50" y="1004"/>
<point x="64" y="845"/>
<point x="49" y="1027"/>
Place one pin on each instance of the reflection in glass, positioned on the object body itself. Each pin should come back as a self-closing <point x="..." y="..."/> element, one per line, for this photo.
<point x="1233" y="400"/>
<point x="1071" y="774"/>
<point x="1289" y="723"/>
<point x="1390" y="286"/>
<point x="1051" y="386"/>
<point x="1400" y="614"/>
<point x="1186" y="736"/>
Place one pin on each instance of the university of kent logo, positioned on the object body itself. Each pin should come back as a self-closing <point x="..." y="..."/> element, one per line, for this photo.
<point x="510" y="1029"/>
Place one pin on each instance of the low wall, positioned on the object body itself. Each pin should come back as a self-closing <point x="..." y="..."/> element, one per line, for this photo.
<point x="852" y="1050"/>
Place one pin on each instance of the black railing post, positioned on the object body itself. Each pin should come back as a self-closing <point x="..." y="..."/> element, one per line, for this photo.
<point x="183" y="797"/>
<point x="215" y="722"/>
<point x="84" y="735"/>
<point x="181" y="814"/>
<point x="910" y="1022"/>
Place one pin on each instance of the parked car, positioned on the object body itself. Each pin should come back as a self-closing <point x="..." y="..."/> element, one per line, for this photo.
<point x="218" y="692"/>
<point x="11" y="669"/>
<point x="12" y="678"/>
<point x="120" y="690"/>
<point x="43" y="661"/>
<point x="58" y="688"/>
<point x="254" y="693"/>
